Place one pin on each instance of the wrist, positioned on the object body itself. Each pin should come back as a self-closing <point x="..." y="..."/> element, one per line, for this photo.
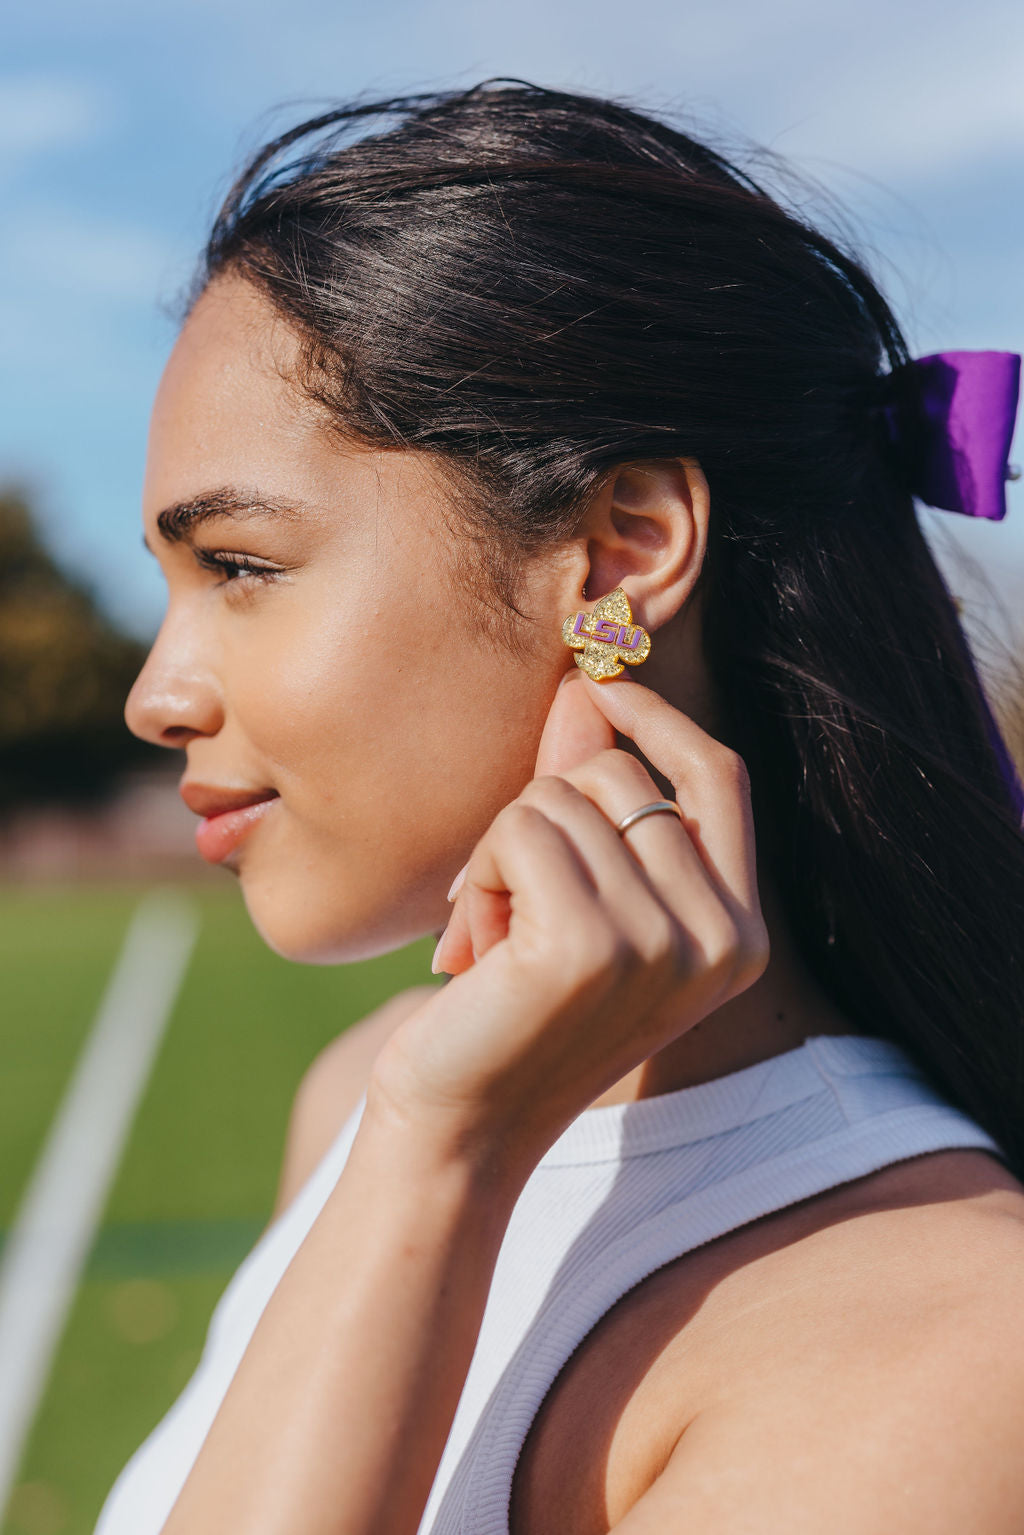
<point x="420" y="1145"/>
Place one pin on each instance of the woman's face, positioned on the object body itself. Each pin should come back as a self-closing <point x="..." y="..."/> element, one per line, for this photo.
<point x="338" y="669"/>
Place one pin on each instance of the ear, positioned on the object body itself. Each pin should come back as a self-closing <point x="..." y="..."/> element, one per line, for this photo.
<point x="647" y="532"/>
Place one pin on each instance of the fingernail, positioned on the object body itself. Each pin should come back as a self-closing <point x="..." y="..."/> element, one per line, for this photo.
<point x="457" y="882"/>
<point x="435" y="966"/>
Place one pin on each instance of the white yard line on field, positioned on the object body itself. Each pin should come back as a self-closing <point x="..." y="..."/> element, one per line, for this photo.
<point x="56" y="1222"/>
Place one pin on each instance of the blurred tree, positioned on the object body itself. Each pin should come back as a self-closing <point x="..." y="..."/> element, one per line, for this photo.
<point x="65" y="672"/>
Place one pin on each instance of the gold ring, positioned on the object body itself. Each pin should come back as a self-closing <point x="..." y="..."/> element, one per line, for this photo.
<point x="654" y="808"/>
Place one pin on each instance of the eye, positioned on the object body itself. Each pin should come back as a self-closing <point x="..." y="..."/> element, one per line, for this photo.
<point x="233" y="566"/>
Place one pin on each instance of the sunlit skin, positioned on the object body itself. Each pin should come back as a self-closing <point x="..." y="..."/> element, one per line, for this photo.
<point x="361" y="679"/>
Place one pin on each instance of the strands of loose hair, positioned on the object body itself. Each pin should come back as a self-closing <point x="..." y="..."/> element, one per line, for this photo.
<point x="537" y="286"/>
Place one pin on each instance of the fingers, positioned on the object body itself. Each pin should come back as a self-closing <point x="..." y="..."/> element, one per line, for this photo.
<point x="721" y="932"/>
<point x="699" y="872"/>
<point x="711" y="781"/>
<point x="661" y="901"/>
<point x="524" y="859"/>
<point x="661" y="845"/>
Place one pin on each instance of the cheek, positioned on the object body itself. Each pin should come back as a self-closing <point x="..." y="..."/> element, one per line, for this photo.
<point x="392" y="792"/>
<point x="285" y="695"/>
<point x="392" y="758"/>
<point x="412" y="731"/>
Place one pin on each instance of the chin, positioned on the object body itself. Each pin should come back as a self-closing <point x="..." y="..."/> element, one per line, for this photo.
<point x="313" y="927"/>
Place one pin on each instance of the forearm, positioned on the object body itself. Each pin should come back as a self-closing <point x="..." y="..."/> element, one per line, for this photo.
<point x="335" y="1421"/>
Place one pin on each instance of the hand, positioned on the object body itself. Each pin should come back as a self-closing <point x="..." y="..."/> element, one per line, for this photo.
<point x="576" y="953"/>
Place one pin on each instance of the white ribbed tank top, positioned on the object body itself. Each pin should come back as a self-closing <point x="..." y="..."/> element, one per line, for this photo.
<point x="625" y="1189"/>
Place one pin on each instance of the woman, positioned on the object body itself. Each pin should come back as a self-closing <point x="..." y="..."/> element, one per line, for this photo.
<point x="692" y="1199"/>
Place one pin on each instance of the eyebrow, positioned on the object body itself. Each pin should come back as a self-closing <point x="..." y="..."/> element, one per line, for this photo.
<point x="178" y="522"/>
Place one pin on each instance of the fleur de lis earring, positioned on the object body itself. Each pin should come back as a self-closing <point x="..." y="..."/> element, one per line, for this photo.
<point x="607" y="637"/>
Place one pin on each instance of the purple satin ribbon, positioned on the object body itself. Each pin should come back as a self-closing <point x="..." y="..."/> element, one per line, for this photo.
<point x="951" y="424"/>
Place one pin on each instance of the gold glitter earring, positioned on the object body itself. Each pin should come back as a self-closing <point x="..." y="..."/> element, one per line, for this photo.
<point x="607" y="637"/>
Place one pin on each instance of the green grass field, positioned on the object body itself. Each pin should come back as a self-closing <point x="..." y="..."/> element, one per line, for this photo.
<point x="199" y="1173"/>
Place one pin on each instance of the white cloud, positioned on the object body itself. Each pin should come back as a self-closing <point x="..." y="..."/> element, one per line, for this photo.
<point x="898" y="91"/>
<point x="43" y="113"/>
<point x="929" y="102"/>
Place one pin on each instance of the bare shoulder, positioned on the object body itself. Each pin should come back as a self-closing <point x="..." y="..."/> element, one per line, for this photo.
<point x="332" y="1086"/>
<point x="875" y="1378"/>
<point x="843" y="1358"/>
<point x="927" y="1250"/>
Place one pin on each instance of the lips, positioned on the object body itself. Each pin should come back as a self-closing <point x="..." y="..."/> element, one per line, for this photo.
<point x="228" y="815"/>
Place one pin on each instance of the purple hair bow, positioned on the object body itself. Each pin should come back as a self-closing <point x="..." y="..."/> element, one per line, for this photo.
<point x="950" y="422"/>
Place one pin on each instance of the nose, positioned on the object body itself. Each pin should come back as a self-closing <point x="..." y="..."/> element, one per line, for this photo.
<point x="175" y="697"/>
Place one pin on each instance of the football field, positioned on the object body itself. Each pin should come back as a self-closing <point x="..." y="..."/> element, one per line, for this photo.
<point x="195" y="1183"/>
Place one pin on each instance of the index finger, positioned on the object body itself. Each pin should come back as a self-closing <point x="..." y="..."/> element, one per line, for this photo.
<point x="711" y="780"/>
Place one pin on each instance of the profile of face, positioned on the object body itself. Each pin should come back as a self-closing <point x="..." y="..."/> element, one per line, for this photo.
<point x="323" y="654"/>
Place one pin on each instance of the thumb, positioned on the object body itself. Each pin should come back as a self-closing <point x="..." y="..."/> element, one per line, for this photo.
<point x="575" y="729"/>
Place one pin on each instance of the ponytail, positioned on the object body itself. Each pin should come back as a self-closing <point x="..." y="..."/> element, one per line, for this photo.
<point x="535" y="286"/>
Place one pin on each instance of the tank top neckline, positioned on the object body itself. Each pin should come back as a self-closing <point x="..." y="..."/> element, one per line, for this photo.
<point x="613" y="1131"/>
<point x="652" y="1180"/>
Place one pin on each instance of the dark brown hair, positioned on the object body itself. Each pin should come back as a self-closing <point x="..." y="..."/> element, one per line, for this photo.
<point x="535" y="286"/>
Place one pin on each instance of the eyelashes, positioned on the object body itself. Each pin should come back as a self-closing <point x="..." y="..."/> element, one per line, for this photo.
<point x="233" y="566"/>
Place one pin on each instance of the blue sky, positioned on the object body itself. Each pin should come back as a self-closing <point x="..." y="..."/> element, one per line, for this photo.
<point x="120" y="125"/>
